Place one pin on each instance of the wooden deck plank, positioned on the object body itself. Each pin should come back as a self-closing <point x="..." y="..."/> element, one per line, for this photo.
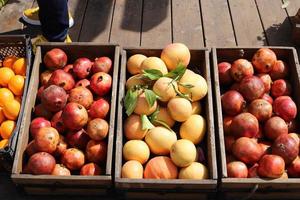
<point x="97" y="21"/>
<point x="247" y="25"/>
<point x="156" y="28"/>
<point x="275" y="21"/>
<point x="218" y="30"/>
<point x="187" y="25"/>
<point x="127" y="21"/>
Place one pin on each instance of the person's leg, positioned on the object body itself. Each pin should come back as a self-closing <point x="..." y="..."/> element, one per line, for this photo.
<point x="54" y="18"/>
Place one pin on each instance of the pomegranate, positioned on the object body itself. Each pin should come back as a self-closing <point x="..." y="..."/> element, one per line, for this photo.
<point x="293" y="126"/>
<point x="286" y="147"/>
<point x="74" y="116"/>
<point x="274" y="127"/>
<point x="39" y="93"/>
<point x="45" y="76"/>
<point x="271" y="166"/>
<point x="232" y="102"/>
<point x="57" y="122"/>
<point x="280" y="70"/>
<point x="97" y="129"/>
<point x="285" y="107"/>
<point x="281" y="87"/>
<point x="240" y="69"/>
<point x="296" y="137"/>
<point x="264" y="60"/>
<point x="30" y="149"/>
<point x="226" y="124"/>
<point x="82" y="96"/>
<point x="99" y="109"/>
<point x="60" y="170"/>
<point x="55" y="59"/>
<point x="73" y="159"/>
<point x="38" y="123"/>
<point x="266" y="147"/>
<point x="235" y="86"/>
<point x="82" y="67"/>
<point x="41" y="163"/>
<point x="83" y="83"/>
<point x="96" y="151"/>
<point x="247" y="150"/>
<point x="101" y="64"/>
<point x="252" y="87"/>
<point x="252" y="171"/>
<point x="90" y="169"/>
<point x="244" y="125"/>
<point x="229" y="140"/>
<point x="62" y="79"/>
<point x="261" y="109"/>
<point x="78" y="139"/>
<point x="293" y="169"/>
<point x="40" y="111"/>
<point x="259" y="134"/>
<point x="266" y="78"/>
<point x="46" y="139"/>
<point x="68" y="69"/>
<point x="224" y="73"/>
<point x="268" y="98"/>
<point x="237" y="169"/>
<point x="101" y="83"/>
<point x="54" y="98"/>
<point x="61" y="146"/>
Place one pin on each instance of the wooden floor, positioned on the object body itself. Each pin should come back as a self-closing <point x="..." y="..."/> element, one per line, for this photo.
<point x="155" y="23"/>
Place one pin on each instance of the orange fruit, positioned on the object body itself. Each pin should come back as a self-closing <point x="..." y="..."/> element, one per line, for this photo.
<point x="16" y="84"/>
<point x="3" y="143"/>
<point x="2" y="117"/>
<point x="11" y="109"/>
<point x="19" y="66"/>
<point x="9" y="61"/>
<point x="6" y="129"/>
<point x="5" y="95"/>
<point x="18" y="98"/>
<point x="5" y="75"/>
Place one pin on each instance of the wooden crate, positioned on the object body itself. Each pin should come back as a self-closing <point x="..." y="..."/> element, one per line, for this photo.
<point x="256" y="188"/>
<point x="75" y="184"/>
<point x="169" y="189"/>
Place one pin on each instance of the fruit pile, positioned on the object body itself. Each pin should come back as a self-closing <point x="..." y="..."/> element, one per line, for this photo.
<point x="12" y="81"/>
<point x="163" y="97"/>
<point x="259" y="118"/>
<point x="69" y="127"/>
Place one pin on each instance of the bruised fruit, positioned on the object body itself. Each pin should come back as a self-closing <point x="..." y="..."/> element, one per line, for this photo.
<point x="226" y="124"/>
<point x="82" y="96"/>
<point x="233" y="102"/>
<point x="73" y="159"/>
<point x="97" y="129"/>
<point x="261" y="109"/>
<point x="55" y="59"/>
<point x="268" y="98"/>
<point x="61" y="146"/>
<point x="99" y="109"/>
<point x="193" y="129"/>
<point x="136" y="150"/>
<point x="45" y="76"/>
<point x="252" y="87"/>
<point x="293" y="169"/>
<point x="30" y="149"/>
<point x="74" y="116"/>
<point x="101" y="83"/>
<point x="54" y="98"/>
<point x="90" y="169"/>
<point x="154" y="63"/>
<point x="132" y="169"/>
<point x="285" y="107"/>
<point x="160" y="167"/>
<point x="41" y="163"/>
<point x="224" y="73"/>
<point x="279" y="70"/>
<point x="38" y="123"/>
<point x="57" y="122"/>
<point x="175" y="54"/>
<point x="83" y="83"/>
<point x="266" y="79"/>
<point x="281" y="87"/>
<point x="60" y="170"/>
<point x="142" y="106"/>
<point x="46" y="139"/>
<point x="229" y="141"/>
<point x="252" y="171"/>
<point x="244" y="125"/>
<point x="62" y="79"/>
<point x="194" y="171"/>
<point x="271" y="166"/>
<point x="160" y="140"/>
<point x="247" y="150"/>
<point x="41" y="111"/>
<point x="133" y="128"/>
<point x="240" y="69"/>
<point x="102" y="64"/>
<point x="134" y="63"/>
<point x="275" y="127"/>
<point x="180" y="109"/>
<point x="237" y="169"/>
<point x="183" y="153"/>
<point x="96" y="151"/>
<point x="164" y="116"/>
<point x="165" y="88"/>
<point x="82" y="67"/>
<point x="264" y="60"/>
<point x="78" y="139"/>
<point x="286" y="147"/>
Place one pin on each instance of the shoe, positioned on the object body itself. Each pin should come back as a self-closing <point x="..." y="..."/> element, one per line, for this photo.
<point x="40" y="39"/>
<point x="31" y="16"/>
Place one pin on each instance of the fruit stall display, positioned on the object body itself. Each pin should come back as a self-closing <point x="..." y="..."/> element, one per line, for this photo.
<point x="15" y="59"/>
<point x="257" y="101"/>
<point x="165" y="135"/>
<point x="67" y="137"/>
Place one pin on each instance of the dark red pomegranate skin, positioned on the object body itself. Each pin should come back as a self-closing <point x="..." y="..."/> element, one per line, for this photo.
<point x="252" y="87"/>
<point x="286" y="147"/>
<point x="244" y="125"/>
<point x="233" y="102"/>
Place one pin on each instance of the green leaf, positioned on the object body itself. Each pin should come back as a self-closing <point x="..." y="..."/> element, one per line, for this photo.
<point x="153" y="116"/>
<point x="177" y="73"/>
<point x="152" y="74"/>
<point x="186" y="85"/>
<point x="130" y="101"/>
<point x="181" y="94"/>
<point x="164" y="124"/>
<point x="150" y="97"/>
<point x="146" y="124"/>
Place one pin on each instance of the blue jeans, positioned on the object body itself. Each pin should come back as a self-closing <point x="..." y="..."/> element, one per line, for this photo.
<point x="54" y="19"/>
